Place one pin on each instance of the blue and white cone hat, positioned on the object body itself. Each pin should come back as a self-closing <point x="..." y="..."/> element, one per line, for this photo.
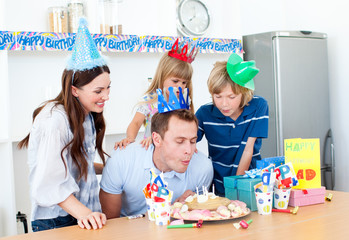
<point x="85" y="54"/>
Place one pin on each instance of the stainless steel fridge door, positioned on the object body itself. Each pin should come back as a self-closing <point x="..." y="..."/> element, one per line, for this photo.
<point x="302" y="83"/>
<point x="301" y="70"/>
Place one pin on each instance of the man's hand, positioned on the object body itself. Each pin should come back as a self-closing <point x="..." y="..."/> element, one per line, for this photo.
<point x="184" y="196"/>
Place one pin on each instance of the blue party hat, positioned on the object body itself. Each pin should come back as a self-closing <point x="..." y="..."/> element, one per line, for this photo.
<point x="174" y="102"/>
<point x="85" y="53"/>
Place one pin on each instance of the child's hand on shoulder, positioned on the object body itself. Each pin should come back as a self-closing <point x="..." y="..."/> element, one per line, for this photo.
<point x="123" y="143"/>
<point x="146" y="142"/>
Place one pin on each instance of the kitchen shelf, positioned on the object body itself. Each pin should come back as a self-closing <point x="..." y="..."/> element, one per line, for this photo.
<point x="48" y="41"/>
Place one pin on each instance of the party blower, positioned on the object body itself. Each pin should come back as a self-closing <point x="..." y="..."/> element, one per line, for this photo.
<point x="293" y="211"/>
<point x="189" y="225"/>
<point x="242" y="224"/>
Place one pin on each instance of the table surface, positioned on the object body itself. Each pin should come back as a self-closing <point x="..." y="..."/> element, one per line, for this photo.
<point x="320" y="221"/>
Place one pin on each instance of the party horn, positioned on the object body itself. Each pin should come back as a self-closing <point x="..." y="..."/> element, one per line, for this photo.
<point x="245" y="224"/>
<point x="189" y="225"/>
<point x="242" y="224"/>
<point x="293" y="211"/>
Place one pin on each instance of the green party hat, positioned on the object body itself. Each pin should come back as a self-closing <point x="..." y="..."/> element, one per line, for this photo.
<point x="241" y="72"/>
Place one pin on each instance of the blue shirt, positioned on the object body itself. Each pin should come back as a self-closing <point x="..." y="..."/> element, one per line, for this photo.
<point x="127" y="172"/>
<point x="227" y="138"/>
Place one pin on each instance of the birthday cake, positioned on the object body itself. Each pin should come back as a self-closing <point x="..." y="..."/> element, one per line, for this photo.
<point x="208" y="207"/>
<point x="211" y="202"/>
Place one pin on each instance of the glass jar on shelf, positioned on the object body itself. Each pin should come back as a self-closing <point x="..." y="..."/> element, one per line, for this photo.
<point x="58" y="19"/>
<point x="108" y="17"/>
<point x="76" y="11"/>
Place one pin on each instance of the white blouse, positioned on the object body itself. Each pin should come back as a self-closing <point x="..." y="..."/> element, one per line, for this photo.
<point x="49" y="181"/>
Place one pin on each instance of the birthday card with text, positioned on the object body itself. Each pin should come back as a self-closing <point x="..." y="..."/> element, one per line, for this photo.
<point x="304" y="154"/>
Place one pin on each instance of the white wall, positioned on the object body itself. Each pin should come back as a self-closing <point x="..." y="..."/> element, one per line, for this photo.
<point x="7" y="190"/>
<point x="319" y="16"/>
<point x="139" y="17"/>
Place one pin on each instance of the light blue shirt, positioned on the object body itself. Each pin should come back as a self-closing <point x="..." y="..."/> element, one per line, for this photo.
<point x="127" y="172"/>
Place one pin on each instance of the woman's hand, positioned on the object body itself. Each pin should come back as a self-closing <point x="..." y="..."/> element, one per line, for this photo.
<point x="86" y="218"/>
<point x="123" y="143"/>
<point x="94" y="220"/>
<point x="146" y="142"/>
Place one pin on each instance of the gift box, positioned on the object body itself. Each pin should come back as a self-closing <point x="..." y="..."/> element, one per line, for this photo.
<point x="306" y="197"/>
<point x="265" y="162"/>
<point x="230" y="186"/>
<point x="242" y="189"/>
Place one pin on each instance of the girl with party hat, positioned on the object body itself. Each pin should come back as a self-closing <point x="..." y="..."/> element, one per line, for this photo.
<point x="174" y="70"/>
<point x="66" y="135"/>
<point x="236" y="120"/>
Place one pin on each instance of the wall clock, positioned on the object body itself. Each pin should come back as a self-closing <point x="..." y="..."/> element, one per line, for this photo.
<point x="193" y="18"/>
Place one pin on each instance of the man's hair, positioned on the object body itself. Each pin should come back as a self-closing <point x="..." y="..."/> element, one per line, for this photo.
<point x="159" y="122"/>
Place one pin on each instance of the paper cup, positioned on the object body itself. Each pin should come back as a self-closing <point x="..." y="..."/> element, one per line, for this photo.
<point x="162" y="212"/>
<point x="281" y="197"/>
<point x="150" y="209"/>
<point x="264" y="202"/>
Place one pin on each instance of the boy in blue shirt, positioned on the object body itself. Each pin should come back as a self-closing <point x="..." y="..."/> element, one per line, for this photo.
<point x="235" y="122"/>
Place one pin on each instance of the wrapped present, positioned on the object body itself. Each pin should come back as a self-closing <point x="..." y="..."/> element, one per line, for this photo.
<point x="304" y="197"/>
<point x="242" y="189"/>
<point x="230" y="186"/>
<point x="265" y="162"/>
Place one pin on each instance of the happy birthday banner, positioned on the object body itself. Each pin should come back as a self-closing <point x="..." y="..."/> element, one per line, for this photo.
<point x="48" y="41"/>
<point x="304" y="154"/>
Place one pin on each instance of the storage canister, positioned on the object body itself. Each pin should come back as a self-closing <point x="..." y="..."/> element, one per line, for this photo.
<point x="76" y="11"/>
<point x="58" y="19"/>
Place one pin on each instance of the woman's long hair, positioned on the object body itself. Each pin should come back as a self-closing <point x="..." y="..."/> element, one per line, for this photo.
<point x="76" y="117"/>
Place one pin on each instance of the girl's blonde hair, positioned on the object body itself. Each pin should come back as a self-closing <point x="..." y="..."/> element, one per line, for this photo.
<point x="171" y="67"/>
<point x="219" y="78"/>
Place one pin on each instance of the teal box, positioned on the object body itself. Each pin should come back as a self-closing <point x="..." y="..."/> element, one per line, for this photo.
<point x="246" y="191"/>
<point x="240" y="188"/>
<point x="230" y="186"/>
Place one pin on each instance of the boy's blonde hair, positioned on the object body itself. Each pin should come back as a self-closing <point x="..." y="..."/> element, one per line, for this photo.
<point x="219" y="78"/>
<point x="171" y="67"/>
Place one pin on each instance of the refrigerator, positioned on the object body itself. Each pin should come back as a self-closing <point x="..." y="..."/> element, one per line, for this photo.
<point x="293" y="78"/>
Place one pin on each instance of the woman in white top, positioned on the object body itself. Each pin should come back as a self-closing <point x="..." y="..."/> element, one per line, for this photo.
<point x="66" y="134"/>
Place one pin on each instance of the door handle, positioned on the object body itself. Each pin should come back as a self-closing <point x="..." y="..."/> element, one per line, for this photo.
<point x="333" y="171"/>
